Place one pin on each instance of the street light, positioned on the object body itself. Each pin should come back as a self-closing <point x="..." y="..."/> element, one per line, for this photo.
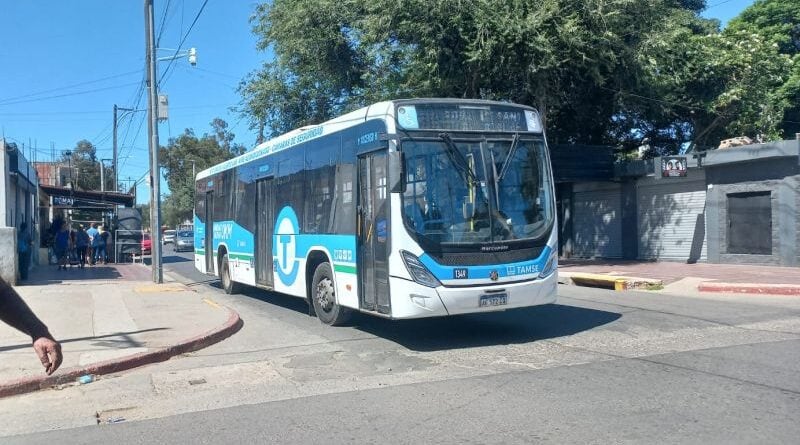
<point x="190" y="54"/>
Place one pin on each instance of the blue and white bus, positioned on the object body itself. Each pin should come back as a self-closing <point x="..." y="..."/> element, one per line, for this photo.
<point x="403" y="209"/>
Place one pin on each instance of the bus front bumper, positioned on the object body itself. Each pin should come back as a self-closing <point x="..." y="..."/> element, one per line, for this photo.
<point x="417" y="301"/>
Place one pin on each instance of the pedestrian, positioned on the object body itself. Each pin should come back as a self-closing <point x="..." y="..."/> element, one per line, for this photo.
<point x="105" y="235"/>
<point x="61" y="245"/>
<point x="94" y="241"/>
<point x="15" y="313"/>
<point x="73" y="251"/>
<point x="82" y="245"/>
<point x="24" y="245"/>
<point x="100" y="246"/>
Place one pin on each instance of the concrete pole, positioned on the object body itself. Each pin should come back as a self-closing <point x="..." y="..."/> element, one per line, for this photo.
<point x="155" y="192"/>
<point x="102" y="177"/>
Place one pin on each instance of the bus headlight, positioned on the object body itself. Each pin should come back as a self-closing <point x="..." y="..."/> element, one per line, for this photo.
<point x="550" y="266"/>
<point x="418" y="271"/>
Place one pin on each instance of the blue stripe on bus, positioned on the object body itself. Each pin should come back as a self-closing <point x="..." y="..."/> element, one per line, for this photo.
<point x="522" y="268"/>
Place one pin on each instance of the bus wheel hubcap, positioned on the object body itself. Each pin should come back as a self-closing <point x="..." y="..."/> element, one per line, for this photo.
<point x="325" y="294"/>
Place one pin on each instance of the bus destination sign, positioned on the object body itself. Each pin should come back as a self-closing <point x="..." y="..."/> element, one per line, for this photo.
<point x="462" y="118"/>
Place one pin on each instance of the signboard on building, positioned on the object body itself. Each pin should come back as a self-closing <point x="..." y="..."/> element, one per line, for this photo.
<point x="673" y="166"/>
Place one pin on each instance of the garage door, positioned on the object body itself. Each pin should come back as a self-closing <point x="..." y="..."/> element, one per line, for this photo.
<point x="671" y="220"/>
<point x="597" y="223"/>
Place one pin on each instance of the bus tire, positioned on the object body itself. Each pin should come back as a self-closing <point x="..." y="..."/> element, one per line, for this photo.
<point x="323" y="296"/>
<point x="228" y="285"/>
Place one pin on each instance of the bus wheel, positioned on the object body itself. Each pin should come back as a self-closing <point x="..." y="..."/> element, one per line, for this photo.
<point x="323" y="296"/>
<point x="228" y="285"/>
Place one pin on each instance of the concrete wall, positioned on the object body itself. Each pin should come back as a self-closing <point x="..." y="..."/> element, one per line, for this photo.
<point x="18" y="203"/>
<point x="8" y="257"/>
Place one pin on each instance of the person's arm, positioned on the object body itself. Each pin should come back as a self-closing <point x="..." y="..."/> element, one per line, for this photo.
<point x="17" y="314"/>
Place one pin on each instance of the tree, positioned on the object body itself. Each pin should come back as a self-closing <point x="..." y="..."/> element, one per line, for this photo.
<point x="569" y="58"/>
<point x="711" y="85"/>
<point x="85" y="168"/>
<point x="777" y="22"/>
<point x="177" y="158"/>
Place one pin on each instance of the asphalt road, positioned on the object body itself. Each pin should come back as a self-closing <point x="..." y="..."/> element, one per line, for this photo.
<point x="597" y="367"/>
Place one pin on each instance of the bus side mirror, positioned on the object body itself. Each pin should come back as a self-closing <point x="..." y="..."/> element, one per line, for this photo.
<point x="397" y="170"/>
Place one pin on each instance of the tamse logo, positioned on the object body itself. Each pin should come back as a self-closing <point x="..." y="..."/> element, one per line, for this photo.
<point x="460" y="274"/>
<point x="493" y="275"/>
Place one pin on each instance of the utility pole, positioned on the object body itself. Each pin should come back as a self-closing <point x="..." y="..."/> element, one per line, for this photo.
<point x="102" y="177"/>
<point x="155" y="193"/>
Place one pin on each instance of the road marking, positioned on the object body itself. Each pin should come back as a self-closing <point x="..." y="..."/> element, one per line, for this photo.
<point x="211" y="302"/>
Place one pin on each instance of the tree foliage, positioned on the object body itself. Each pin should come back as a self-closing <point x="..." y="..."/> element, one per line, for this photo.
<point x="177" y="159"/>
<point x="84" y="167"/>
<point x="599" y="71"/>
<point x="777" y="24"/>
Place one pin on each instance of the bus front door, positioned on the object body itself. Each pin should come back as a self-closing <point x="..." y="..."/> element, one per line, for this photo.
<point x="265" y="224"/>
<point x="209" y="241"/>
<point x="373" y="233"/>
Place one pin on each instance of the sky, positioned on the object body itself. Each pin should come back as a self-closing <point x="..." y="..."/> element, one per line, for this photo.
<point x="63" y="66"/>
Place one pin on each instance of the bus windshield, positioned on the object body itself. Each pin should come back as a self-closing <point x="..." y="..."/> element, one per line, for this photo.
<point x="467" y="191"/>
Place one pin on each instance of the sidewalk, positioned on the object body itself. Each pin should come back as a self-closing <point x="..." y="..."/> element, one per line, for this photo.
<point x="701" y="277"/>
<point x="108" y="318"/>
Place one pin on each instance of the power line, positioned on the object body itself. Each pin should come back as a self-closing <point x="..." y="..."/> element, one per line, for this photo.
<point x="163" y="23"/>
<point x="7" y="99"/>
<point x="76" y="93"/>
<point x="183" y="40"/>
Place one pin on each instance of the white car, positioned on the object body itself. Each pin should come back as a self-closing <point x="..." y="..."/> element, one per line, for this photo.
<point x="168" y="237"/>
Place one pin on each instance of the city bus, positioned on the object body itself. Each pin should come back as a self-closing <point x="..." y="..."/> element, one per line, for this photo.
<point x="403" y="209"/>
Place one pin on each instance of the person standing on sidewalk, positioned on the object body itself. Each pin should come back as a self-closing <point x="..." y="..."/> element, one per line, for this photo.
<point x="100" y="249"/>
<point x="106" y="236"/>
<point x="24" y="245"/>
<point x="15" y="313"/>
<point x="94" y="241"/>
<point x="61" y="245"/>
<point x="82" y="244"/>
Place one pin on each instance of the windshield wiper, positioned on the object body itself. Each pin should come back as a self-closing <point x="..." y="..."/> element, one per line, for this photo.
<point x="507" y="162"/>
<point x="458" y="160"/>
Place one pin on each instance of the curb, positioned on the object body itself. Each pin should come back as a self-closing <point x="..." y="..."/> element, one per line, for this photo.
<point x="615" y="282"/>
<point x="208" y="338"/>
<point x="759" y="289"/>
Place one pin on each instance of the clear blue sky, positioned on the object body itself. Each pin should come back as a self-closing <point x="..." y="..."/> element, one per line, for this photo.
<point x="91" y="54"/>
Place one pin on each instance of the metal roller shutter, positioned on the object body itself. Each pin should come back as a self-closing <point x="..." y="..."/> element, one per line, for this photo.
<point x="671" y="220"/>
<point x="597" y="222"/>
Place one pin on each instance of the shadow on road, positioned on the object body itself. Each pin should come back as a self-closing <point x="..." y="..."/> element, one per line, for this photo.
<point x="114" y="339"/>
<point x="51" y="275"/>
<point x="514" y="326"/>
<point x="172" y="258"/>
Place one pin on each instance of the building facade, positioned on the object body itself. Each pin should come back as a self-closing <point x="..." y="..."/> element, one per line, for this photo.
<point x="18" y="204"/>
<point x="732" y="205"/>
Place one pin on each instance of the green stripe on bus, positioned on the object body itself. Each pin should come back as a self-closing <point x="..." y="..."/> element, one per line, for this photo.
<point x="344" y="269"/>
<point x="200" y="251"/>
<point x="239" y="256"/>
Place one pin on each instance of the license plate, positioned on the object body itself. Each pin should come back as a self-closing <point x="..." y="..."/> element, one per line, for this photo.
<point x="493" y="300"/>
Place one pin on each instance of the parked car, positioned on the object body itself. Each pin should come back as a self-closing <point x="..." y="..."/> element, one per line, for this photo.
<point x="184" y="241"/>
<point x="147" y="244"/>
<point x="168" y="237"/>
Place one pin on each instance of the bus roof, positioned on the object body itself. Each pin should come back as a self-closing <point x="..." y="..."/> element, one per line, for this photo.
<point x="297" y="136"/>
